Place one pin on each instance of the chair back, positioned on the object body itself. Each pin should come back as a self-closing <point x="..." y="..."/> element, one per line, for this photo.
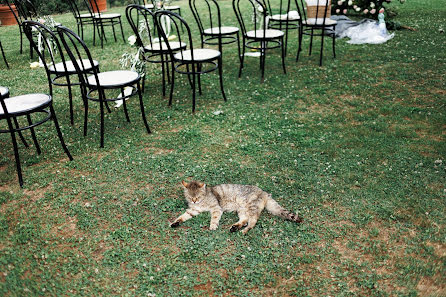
<point x="169" y="24"/>
<point x="3" y="105"/>
<point x="93" y="7"/>
<point x="142" y="21"/>
<point x="284" y="10"/>
<point x="316" y="11"/>
<point x="16" y="16"/>
<point x="79" y="55"/>
<point x="26" y="10"/>
<point x="74" y="7"/>
<point x="206" y="13"/>
<point x="47" y="46"/>
<point x="251" y="15"/>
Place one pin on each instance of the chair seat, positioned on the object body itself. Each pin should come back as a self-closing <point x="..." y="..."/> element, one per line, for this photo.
<point x="319" y="22"/>
<point x="221" y="30"/>
<point x="87" y="15"/>
<point x="114" y="78"/>
<point x="4" y="91"/>
<point x="200" y="54"/>
<point x="285" y="17"/>
<point x="174" y="45"/>
<point x="268" y="33"/>
<point x="107" y="15"/>
<point x="24" y="103"/>
<point x="171" y="7"/>
<point x="149" y="6"/>
<point x="59" y="67"/>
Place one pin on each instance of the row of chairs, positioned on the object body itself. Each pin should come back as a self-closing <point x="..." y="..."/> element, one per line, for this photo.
<point x="96" y="86"/>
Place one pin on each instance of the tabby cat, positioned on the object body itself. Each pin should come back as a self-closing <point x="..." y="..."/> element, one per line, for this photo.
<point x="247" y="201"/>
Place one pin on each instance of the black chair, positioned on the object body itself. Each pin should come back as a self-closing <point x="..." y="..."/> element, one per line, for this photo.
<point x="4" y="92"/>
<point x="316" y="22"/>
<point x="252" y="14"/>
<point x="28" y="105"/>
<point x="209" y="23"/>
<point x="24" y="12"/>
<point x="60" y="71"/>
<point x="100" y="86"/>
<point x="3" y="54"/>
<point x="143" y="23"/>
<point x="103" y="20"/>
<point x="283" y="15"/>
<point x="83" y="18"/>
<point x="192" y="62"/>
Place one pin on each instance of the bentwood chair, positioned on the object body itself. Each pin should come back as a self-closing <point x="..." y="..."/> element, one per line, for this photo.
<point x="316" y="22"/>
<point x="147" y="37"/>
<point x="252" y="17"/>
<point x="103" y="20"/>
<point x="3" y="54"/>
<point x="208" y="17"/>
<point x="192" y="62"/>
<point x="60" y="71"/>
<point x="283" y="15"/>
<point x="82" y="18"/>
<point x="27" y="106"/>
<point x="101" y="87"/>
<point x="24" y="12"/>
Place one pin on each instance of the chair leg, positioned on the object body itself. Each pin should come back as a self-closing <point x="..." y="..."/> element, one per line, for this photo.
<point x="172" y="84"/>
<point x="322" y="46"/>
<point x="283" y="56"/>
<point x="122" y="31"/>
<point x="16" y="152"/>
<point x="25" y="143"/>
<point x="125" y="106"/>
<point x="311" y="41"/>
<point x="220" y="74"/>
<point x="238" y="47"/>
<point x="299" y="49"/>
<point x="21" y="39"/>
<point x="141" y="104"/>
<point x="114" y="33"/>
<point x="334" y="44"/>
<point x="193" y="88"/>
<point x="4" y="57"/>
<point x="33" y="134"/>
<point x="102" y="120"/>
<point x="85" y="115"/>
<point x="70" y="98"/>
<point x="59" y="133"/>
<point x="242" y="58"/>
<point x="199" y="78"/>
<point x="163" y="72"/>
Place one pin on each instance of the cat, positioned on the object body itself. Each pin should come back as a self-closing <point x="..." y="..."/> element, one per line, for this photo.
<point x="247" y="201"/>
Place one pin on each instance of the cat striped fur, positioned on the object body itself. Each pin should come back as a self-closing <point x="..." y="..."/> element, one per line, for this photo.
<point x="248" y="201"/>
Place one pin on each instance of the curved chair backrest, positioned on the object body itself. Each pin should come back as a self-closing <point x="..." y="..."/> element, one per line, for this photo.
<point x="209" y="11"/>
<point x="74" y="7"/>
<point x="3" y="105"/>
<point x="79" y="54"/>
<point x="93" y="7"/>
<point x="251" y="14"/>
<point x="166" y="19"/>
<point x="26" y="10"/>
<point x="16" y="16"/>
<point x="142" y="21"/>
<point x="319" y="9"/>
<point x="49" y="46"/>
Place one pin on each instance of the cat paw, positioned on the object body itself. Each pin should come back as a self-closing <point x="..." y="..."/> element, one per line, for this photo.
<point x="234" y="228"/>
<point x="175" y="224"/>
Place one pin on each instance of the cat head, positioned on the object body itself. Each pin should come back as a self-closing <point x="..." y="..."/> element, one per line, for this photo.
<point x="194" y="191"/>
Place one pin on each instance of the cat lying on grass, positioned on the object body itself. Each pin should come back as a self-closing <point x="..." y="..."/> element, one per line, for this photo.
<point x="247" y="201"/>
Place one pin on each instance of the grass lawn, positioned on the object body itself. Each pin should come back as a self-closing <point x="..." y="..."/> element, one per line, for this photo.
<point x="357" y="147"/>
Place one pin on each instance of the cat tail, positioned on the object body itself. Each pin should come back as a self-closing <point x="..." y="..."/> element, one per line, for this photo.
<point x="274" y="208"/>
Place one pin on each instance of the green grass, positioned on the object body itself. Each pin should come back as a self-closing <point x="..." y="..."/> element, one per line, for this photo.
<point x="356" y="146"/>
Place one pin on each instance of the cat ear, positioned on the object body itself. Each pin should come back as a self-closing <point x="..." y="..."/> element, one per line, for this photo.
<point x="201" y="185"/>
<point x="185" y="184"/>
